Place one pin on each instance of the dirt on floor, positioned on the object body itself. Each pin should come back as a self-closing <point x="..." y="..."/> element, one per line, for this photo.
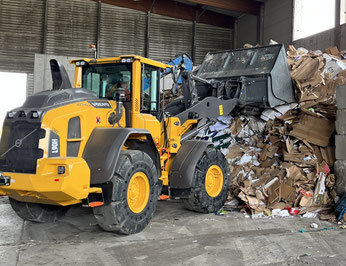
<point x="174" y="237"/>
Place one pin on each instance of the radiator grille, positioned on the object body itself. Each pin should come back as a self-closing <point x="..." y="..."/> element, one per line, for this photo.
<point x="19" y="146"/>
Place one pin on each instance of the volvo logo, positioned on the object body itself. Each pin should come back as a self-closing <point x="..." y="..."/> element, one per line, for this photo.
<point x="18" y="143"/>
<point x="100" y="104"/>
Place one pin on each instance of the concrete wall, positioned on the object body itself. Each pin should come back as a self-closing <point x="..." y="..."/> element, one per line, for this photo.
<point x="277" y="24"/>
<point x="278" y="27"/>
<point x="322" y="40"/>
<point x="318" y="41"/>
<point x="247" y="30"/>
<point x="42" y="75"/>
<point x="278" y="21"/>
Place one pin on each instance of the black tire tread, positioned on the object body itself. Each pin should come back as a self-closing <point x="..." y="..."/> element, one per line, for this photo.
<point x="39" y="213"/>
<point x="116" y="216"/>
<point x="198" y="199"/>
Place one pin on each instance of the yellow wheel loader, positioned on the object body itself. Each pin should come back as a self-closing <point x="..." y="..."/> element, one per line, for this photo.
<point x="110" y="143"/>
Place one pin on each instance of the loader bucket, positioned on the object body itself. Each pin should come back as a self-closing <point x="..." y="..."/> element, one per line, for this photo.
<point x="262" y="71"/>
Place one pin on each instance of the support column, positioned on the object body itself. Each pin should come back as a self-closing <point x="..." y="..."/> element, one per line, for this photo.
<point x="337" y="27"/>
<point x="194" y="25"/>
<point x="292" y="24"/>
<point x="147" y="35"/>
<point x="45" y="28"/>
<point x="99" y="10"/>
<point x="235" y="34"/>
<point x="260" y="26"/>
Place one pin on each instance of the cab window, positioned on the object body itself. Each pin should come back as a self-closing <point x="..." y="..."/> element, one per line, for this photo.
<point x="103" y="79"/>
<point x="150" y="89"/>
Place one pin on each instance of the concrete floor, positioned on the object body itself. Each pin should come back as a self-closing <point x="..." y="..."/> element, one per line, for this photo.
<point x="174" y="237"/>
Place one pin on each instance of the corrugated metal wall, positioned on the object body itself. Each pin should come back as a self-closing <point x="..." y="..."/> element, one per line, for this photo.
<point x="72" y="27"/>
<point x="169" y="37"/>
<point x="122" y="31"/>
<point x="21" y="30"/>
<point x="211" y="38"/>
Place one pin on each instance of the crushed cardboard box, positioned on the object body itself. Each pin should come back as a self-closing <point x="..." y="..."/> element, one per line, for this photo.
<point x="282" y="158"/>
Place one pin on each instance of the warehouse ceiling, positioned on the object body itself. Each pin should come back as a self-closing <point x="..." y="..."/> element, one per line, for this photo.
<point x="220" y="13"/>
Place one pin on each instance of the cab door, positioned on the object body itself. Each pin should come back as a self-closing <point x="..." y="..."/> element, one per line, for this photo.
<point x="146" y="99"/>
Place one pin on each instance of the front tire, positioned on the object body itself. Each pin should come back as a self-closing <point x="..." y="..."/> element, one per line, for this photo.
<point x="39" y="213"/>
<point x="135" y="193"/>
<point x="211" y="183"/>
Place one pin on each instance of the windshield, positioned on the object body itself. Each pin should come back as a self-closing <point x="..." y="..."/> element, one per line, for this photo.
<point x="103" y="79"/>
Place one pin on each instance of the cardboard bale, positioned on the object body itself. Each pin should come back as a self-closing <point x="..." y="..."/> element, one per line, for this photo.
<point x="306" y="201"/>
<point x="236" y="127"/>
<point x="300" y="159"/>
<point x="234" y="152"/>
<point x="333" y="66"/>
<point x="313" y="129"/>
<point x="306" y="69"/>
<point x="288" y="193"/>
<point x="332" y="51"/>
<point x="293" y="172"/>
<point x="330" y="181"/>
<point x="328" y="155"/>
<point x="274" y="191"/>
<point x="320" y="189"/>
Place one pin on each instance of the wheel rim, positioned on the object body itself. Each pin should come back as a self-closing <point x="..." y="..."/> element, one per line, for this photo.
<point x="138" y="192"/>
<point x="214" y="181"/>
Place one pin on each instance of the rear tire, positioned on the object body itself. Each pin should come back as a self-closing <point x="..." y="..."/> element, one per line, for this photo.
<point x="211" y="169"/>
<point x="135" y="193"/>
<point x="39" y="213"/>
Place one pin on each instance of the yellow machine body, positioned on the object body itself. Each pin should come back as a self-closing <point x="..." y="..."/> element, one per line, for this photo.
<point x="71" y="187"/>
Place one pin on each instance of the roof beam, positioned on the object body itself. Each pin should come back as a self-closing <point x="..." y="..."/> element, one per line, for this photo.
<point x="177" y="10"/>
<point x="244" y="6"/>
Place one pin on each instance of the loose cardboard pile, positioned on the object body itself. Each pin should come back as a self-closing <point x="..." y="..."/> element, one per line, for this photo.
<point x="316" y="76"/>
<point x="288" y="163"/>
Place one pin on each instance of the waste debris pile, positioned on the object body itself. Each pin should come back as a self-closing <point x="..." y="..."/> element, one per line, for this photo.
<point x="282" y="161"/>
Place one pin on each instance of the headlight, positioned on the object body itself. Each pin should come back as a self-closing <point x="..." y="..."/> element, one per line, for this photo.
<point x="10" y="114"/>
<point x="126" y="60"/>
<point x="34" y="114"/>
<point x="80" y="63"/>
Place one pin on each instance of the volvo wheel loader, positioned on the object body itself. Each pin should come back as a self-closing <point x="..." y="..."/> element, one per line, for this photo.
<point x="110" y="143"/>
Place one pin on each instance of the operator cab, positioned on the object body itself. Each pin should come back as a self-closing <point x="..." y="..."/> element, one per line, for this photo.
<point x="138" y="76"/>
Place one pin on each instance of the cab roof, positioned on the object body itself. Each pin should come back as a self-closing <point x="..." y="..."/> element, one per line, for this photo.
<point x="118" y="59"/>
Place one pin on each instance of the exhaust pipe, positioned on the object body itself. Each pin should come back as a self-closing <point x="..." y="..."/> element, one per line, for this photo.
<point x="60" y="78"/>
